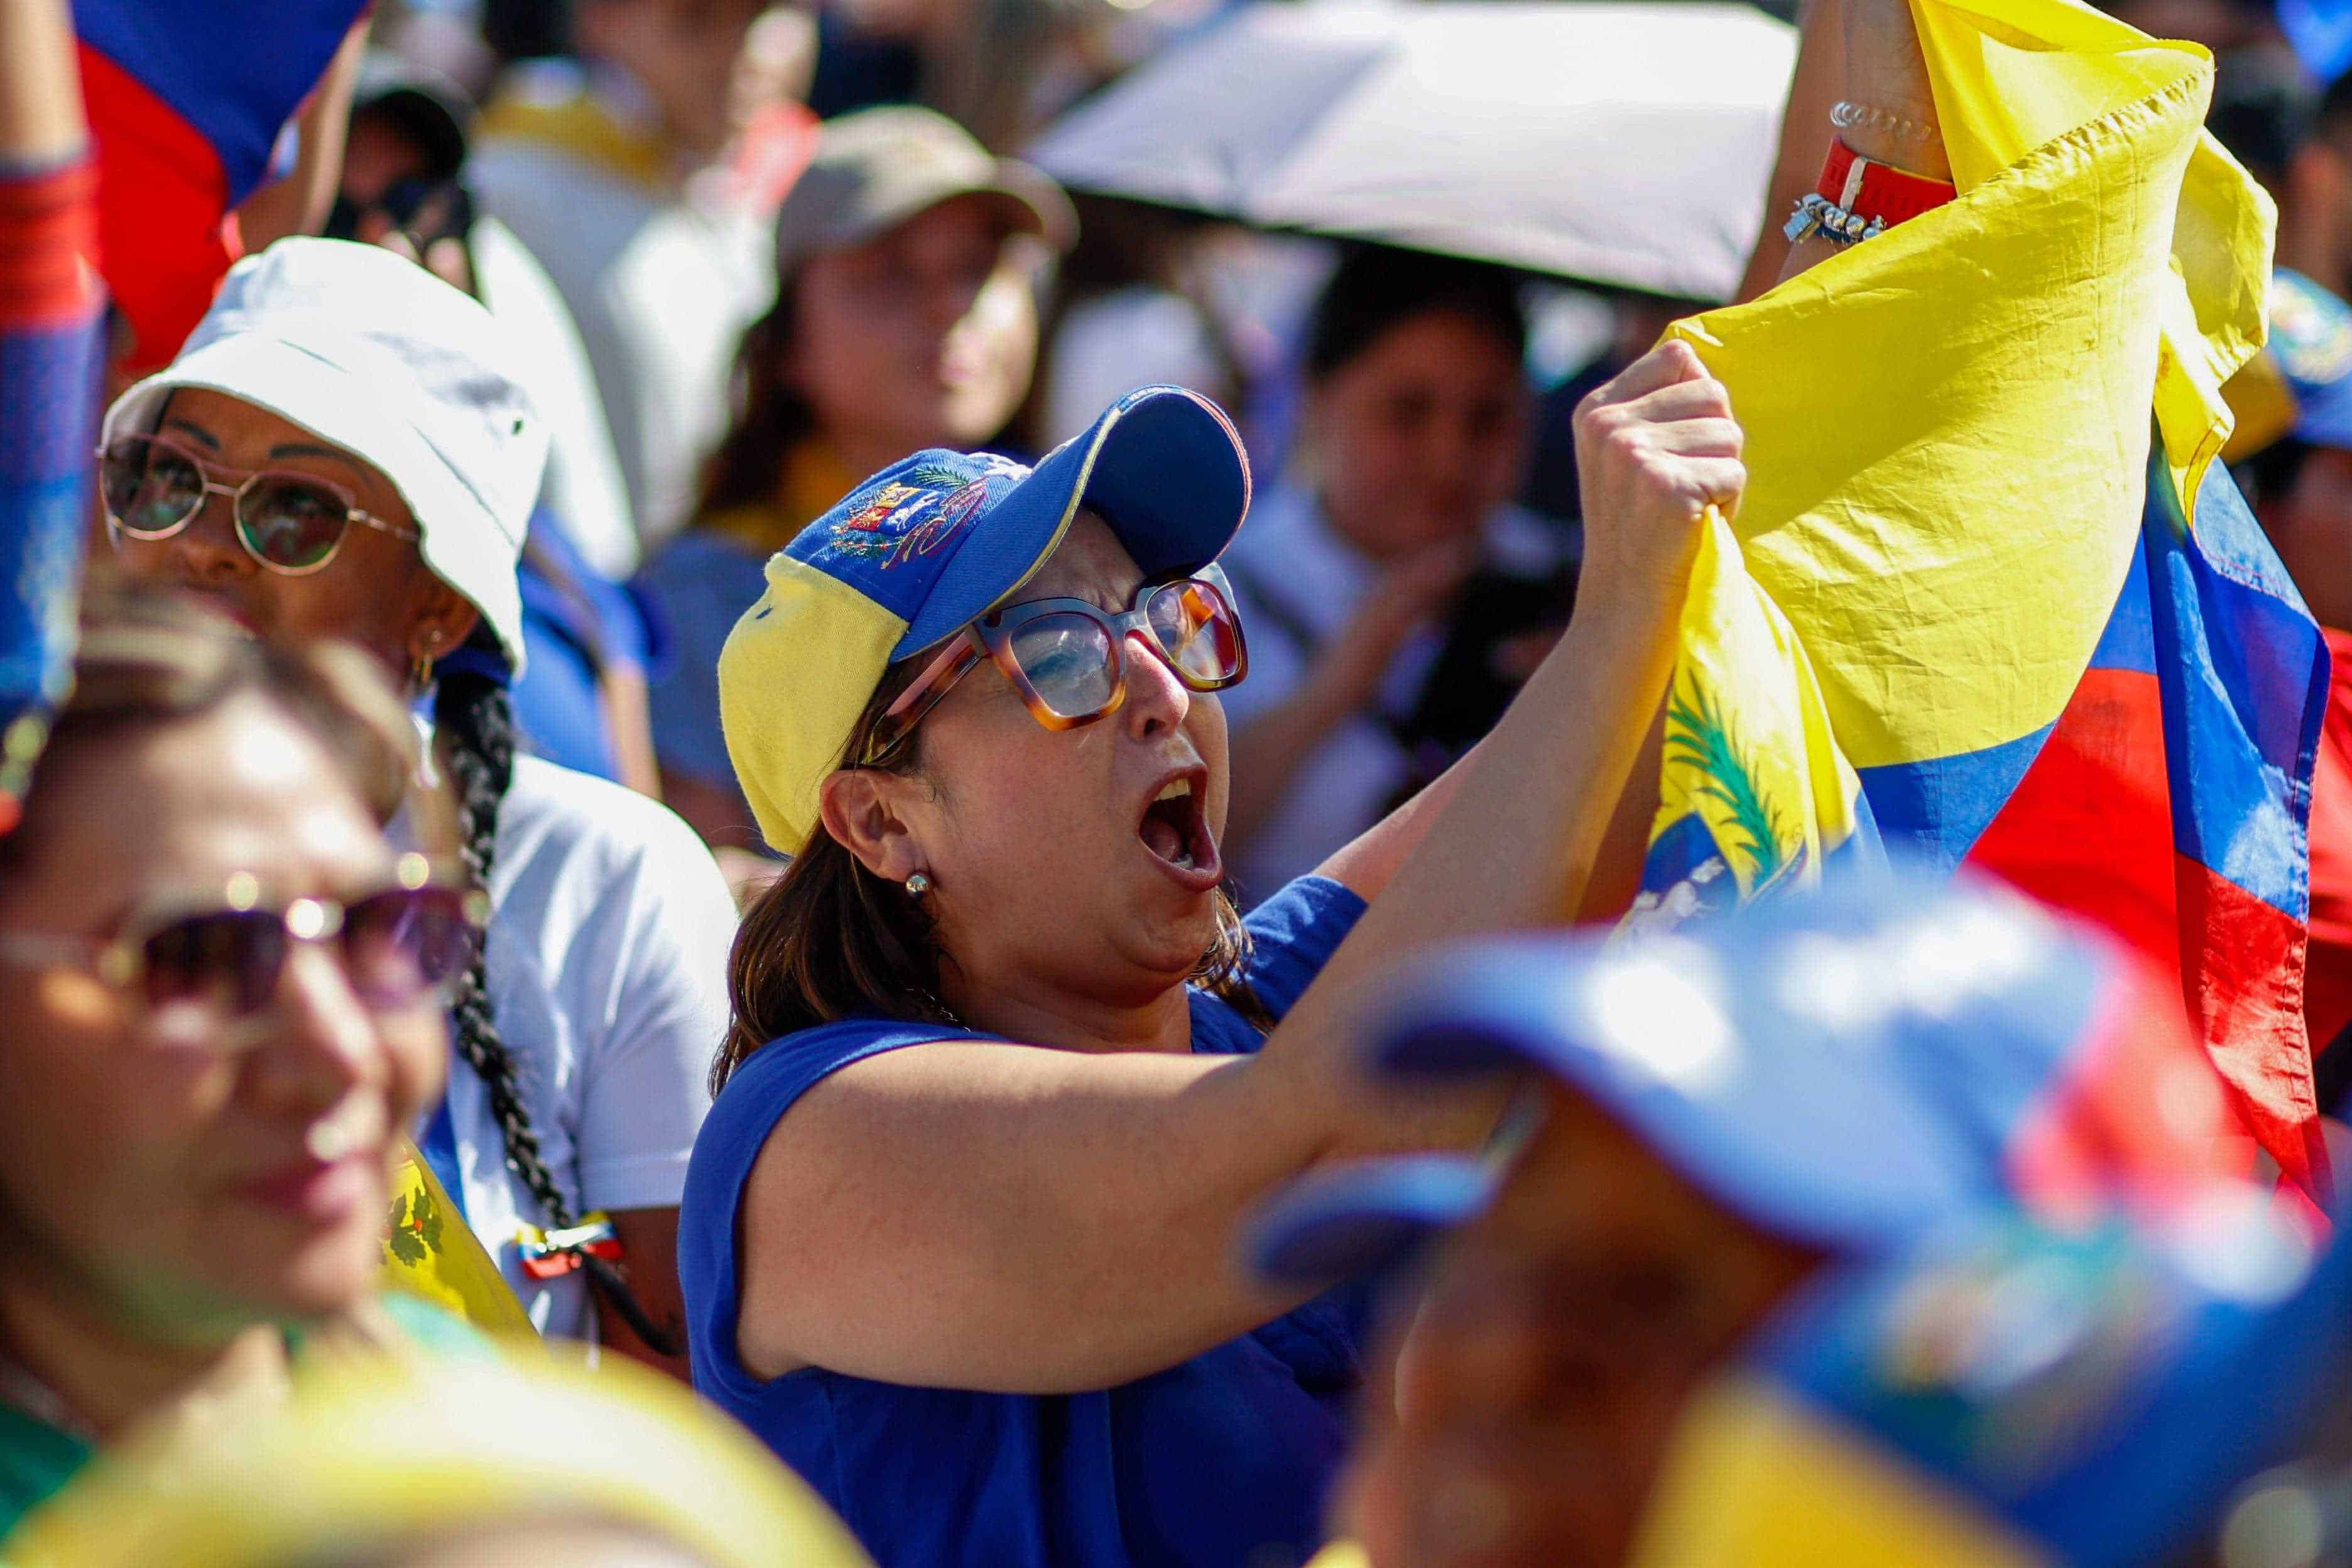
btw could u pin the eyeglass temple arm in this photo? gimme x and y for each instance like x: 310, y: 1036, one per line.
x: 910, y: 707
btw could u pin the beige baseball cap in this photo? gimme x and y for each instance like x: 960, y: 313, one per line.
x: 878, y: 167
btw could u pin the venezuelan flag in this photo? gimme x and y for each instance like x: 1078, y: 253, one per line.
x: 186, y: 99
x: 1988, y: 597
x: 2171, y: 799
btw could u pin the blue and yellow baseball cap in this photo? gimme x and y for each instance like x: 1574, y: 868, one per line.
x: 931, y: 544
x: 2300, y: 383
x: 1844, y: 1069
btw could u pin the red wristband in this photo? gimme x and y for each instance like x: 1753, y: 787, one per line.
x: 1854, y: 184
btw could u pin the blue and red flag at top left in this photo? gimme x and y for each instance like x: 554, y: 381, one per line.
x: 50, y: 380
x: 186, y: 99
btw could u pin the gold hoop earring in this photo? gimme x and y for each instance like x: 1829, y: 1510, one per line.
x: 420, y: 672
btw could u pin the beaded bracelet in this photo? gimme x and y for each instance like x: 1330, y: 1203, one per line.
x: 1846, y: 116
x: 1816, y: 213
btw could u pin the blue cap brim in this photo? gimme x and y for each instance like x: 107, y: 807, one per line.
x: 1796, y: 1140
x: 1164, y: 468
x: 1353, y: 1220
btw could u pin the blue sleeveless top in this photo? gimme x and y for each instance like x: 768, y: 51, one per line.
x: 1221, y: 1462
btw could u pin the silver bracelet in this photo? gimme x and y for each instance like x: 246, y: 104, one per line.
x: 1850, y: 116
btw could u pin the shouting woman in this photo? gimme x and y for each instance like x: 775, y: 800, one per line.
x: 1006, y: 1070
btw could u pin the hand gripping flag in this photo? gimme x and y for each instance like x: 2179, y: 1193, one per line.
x: 1971, y: 605
x: 186, y: 99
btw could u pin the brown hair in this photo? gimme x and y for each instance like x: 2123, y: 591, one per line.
x: 153, y: 657
x: 830, y: 940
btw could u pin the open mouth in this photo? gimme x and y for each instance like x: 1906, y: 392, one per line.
x: 1175, y: 828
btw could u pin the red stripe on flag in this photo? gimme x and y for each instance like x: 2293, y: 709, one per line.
x: 2249, y: 1008
x: 162, y: 196
x: 49, y: 221
x: 2089, y: 830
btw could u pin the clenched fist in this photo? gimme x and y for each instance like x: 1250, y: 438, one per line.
x: 1654, y: 449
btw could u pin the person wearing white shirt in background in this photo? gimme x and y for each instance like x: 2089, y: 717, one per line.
x: 1394, y: 597
x: 612, y: 175
x: 343, y: 449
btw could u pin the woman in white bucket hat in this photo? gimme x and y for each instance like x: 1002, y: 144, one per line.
x: 344, y: 448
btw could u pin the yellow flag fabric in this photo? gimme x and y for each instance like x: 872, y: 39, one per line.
x: 1948, y: 432
x: 1773, y: 810
x: 430, y: 1253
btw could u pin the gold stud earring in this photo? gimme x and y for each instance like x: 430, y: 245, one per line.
x: 918, y: 885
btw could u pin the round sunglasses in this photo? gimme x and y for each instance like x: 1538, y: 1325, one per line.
x: 291, y: 523
x: 1068, y: 660
x: 200, y: 973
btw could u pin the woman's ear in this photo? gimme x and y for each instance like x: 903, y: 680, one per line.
x: 859, y: 806
x: 445, y: 619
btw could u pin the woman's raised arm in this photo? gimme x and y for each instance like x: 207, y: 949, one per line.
x: 40, y: 110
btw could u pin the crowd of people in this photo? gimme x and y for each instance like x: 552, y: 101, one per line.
x: 1045, y: 974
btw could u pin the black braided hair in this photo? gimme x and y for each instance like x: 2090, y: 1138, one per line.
x: 473, y: 710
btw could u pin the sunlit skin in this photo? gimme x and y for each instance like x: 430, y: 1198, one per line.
x: 1420, y: 435
x: 377, y: 592
x: 925, y: 335
x: 1541, y: 1377
x: 158, y: 1200
x: 2311, y: 528
x: 1057, y: 923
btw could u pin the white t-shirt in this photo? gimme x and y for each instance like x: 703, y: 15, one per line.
x: 607, y: 962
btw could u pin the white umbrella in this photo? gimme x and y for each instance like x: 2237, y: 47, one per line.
x: 1623, y: 144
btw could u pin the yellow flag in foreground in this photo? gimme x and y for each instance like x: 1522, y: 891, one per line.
x: 429, y: 1252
